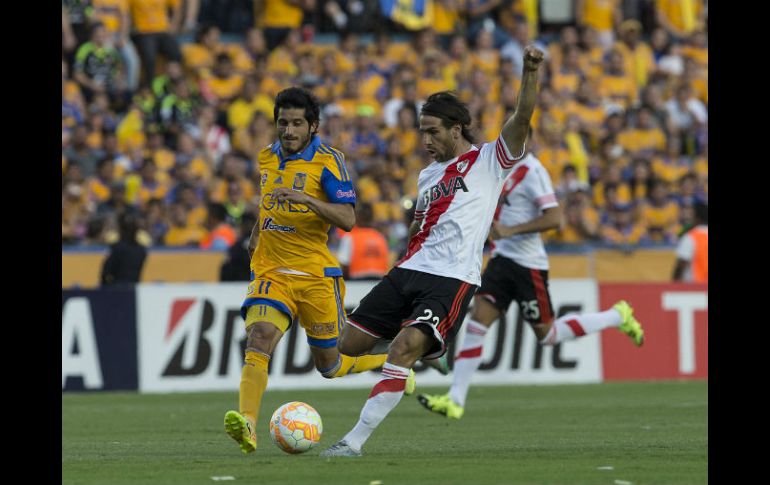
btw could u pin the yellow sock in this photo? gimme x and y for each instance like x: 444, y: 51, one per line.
x: 253, y: 384
x: 354, y: 365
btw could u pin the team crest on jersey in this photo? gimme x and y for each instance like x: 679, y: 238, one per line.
x: 263, y: 180
x: 461, y: 166
x: 299, y: 182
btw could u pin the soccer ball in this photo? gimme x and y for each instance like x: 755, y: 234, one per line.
x: 295, y: 427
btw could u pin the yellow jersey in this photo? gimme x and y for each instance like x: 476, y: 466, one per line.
x: 291, y: 236
x: 151, y: 16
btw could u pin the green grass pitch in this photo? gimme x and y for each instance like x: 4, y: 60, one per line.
x: 647, y: 432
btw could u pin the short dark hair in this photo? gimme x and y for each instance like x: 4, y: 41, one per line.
x: 128, y: 226
x: 446, y: 106
x: 295, y: 97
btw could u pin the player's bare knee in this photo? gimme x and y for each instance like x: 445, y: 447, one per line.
x: 261, y: 337
x: 484, y: 311
x: 407, y: 348
x: 353, y: 342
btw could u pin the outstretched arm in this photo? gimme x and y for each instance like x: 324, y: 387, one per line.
x: 515, y: 130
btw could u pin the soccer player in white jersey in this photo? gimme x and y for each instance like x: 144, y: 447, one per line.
x: 518, y: 270
x: 421, y: 303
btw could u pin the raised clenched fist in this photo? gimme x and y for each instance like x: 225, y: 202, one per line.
x: 532, y: 58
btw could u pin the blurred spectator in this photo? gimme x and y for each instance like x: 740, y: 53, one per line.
x: 593, y: 52
x: 587, y: 107
x: 641, y: 179
x: 621, y: 229
x: 221, y: 235
x: 163, y: 84
x: 199, y: 55
x: 247, y: 141
x: 645, y: 138
x: 689, y: 193
x: 78, y: 152
x: 75, y: 20
x: 363, y: 252
x: 480, y: 16
x: 484, y: 56
x: 580, y: 223
x: 688, y: 116
x: 659, y: 43
x: 568, y: 37
x: 235, y: 204
x: 114, y: 15
x: 696, y: 48
x: 569, y: 183
x: 680, y: 17
x: 446, y: 19
x: 409, y: 99
x: 255, y: 45
x: 180, y: 233
x: 179, y: 111
x: 251, y: 100
x: 652, y: 99
x: 75, y: 208
x: 692, y: 263
x: 223, y: 84
x: 567, y: 77
x: 99, y: 68
x: 639, y: 60
x: 236, y: 266
x: 351, y: 15
x: 154, y: 32
x: 155, y: 221
x: 278, y: 17
x: 617, y: 87
x: 190, y: 155
x: 660, y: 214
x: 697, y: 78
x: 126, y: 257
x: 116, y: 204
x: 99, y: 185
x: 603, y: 16
x: 671, y: 165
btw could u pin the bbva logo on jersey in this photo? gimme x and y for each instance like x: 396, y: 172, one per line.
x: 443, y: 189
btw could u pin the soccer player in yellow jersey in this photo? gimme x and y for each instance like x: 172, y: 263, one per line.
x: 305, y: 190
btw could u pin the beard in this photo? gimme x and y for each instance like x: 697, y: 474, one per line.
x: 295, y: 145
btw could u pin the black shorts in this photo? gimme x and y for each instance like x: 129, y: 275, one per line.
x: 434, y: 304
x: 504, y: 281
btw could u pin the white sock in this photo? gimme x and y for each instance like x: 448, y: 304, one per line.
x: 384, y: 397
x: 467, y: 361
x: 574, y: 325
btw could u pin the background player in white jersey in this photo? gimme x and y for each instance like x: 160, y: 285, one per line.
x: 420, y: 304
x: 518, y: 270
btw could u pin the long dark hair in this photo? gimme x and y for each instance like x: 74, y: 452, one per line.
x: 446, y: 106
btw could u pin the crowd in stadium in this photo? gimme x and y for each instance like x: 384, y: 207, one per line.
x: 168, y: 129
